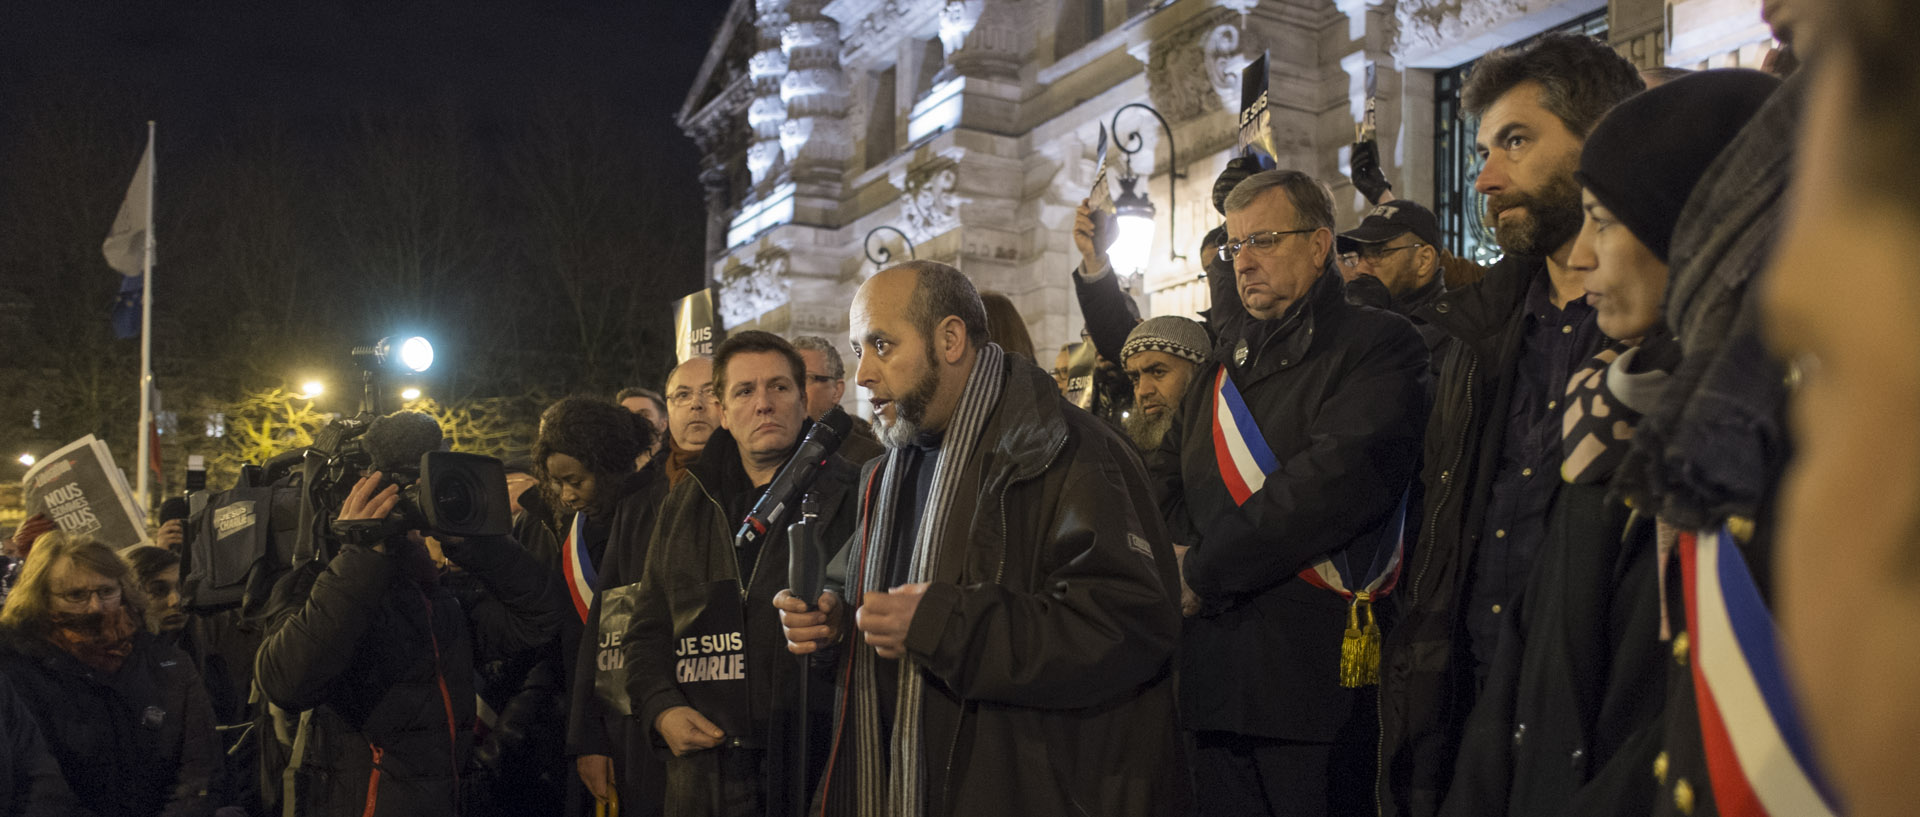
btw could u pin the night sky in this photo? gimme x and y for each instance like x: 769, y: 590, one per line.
x: 204, y: 67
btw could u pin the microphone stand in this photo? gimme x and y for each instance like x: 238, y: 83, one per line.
x: 805, y: 575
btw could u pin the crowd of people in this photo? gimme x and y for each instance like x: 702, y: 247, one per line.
x: 1383, y: 533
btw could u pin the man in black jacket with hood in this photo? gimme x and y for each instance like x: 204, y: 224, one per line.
x: 710, y: 677
x: 1492, y: 455
x: 1286, y: 479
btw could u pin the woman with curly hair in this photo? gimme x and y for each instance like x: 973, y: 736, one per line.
x: 585, y: 455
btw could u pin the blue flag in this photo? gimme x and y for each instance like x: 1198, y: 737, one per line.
x: 126, y: 308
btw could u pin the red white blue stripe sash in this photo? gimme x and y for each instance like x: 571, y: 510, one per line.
x: 1245, y: 461
x: 577, y: 565
x: 1757, y: 751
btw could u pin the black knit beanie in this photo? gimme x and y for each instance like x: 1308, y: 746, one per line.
x: 1643, y: 160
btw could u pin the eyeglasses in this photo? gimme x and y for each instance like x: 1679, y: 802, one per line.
x: 821, y: 379
x: 79, y: 598
x: 684, y: 397
x: 1371, y: 255
x: 1261, y: 242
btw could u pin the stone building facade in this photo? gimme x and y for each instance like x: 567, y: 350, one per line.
x: 969, y: 126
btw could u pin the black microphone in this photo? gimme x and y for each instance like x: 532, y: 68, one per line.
x: 398, y: 440
x: 796, y: 476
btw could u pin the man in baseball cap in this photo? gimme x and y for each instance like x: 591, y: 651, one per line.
x: 1160, y: 357
x: 1392, y: 261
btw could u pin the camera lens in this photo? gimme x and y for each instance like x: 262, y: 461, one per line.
x: 457, y: 499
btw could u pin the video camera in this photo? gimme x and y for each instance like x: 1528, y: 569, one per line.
x: 441, y: 492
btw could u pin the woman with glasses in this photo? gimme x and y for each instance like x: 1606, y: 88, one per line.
x: 125, y: 715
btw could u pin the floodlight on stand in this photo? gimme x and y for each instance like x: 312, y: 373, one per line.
x: 410, y: 393
x: 1134, y: 214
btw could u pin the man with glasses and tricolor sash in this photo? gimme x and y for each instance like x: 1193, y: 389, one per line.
x: 1286, y: 479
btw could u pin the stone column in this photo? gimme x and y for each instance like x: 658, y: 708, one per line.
x: 768, y: 111
x: 814, y: 138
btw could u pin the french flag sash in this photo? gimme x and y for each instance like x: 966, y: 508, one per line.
x: 1245, y: 461
x: 577, y: 566
x: 1756, y: 748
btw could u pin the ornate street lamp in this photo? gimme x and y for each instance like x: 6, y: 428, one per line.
x: 1134, y: 210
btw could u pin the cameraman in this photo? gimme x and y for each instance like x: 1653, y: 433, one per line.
x: 378, y: 658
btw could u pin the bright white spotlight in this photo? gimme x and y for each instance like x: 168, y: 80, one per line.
x: 312, y: 389
x: 410, y: 394
x: 416, y: 354
x: 28, y: 460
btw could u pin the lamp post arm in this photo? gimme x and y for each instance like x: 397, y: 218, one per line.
x: 880, y: 255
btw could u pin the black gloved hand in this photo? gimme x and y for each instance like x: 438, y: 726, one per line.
x: 1236, y: 171
x: 1367, y: 176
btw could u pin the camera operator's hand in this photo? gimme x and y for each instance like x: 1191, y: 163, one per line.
x: 686, y: 731
x: 809, y: 631
x: 364, y: 503
x: 172, y: 535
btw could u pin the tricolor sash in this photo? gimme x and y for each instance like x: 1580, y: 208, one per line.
x: 1757, y: 751
x: 1244, y: 461
x: 577, y: 566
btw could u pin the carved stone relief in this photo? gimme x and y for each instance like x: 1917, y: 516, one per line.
x: 751, y: 290
x: 1429, y: 25
x: 929, y: 204
x: 1196, y: 72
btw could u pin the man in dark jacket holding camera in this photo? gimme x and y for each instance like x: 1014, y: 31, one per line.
x: 374, y: 660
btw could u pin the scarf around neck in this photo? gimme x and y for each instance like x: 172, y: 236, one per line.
x: 890, y: 781
x: 100, y: 640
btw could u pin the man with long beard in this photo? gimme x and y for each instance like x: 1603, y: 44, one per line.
x: 1012, y: 591
x: 1492, y: 457
x: 1160, y: 357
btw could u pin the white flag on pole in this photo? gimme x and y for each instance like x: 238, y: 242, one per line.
x: 128, y: 241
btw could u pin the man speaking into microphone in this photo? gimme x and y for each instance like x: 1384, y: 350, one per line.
x: 1013, y: 595
x: 707, y: 669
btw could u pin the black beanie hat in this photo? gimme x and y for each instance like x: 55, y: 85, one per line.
x: 1643, y: 160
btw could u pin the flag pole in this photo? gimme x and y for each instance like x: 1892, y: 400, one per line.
x: 144, y: 457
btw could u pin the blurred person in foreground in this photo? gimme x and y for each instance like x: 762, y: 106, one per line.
x: 124, y: 714
x: 1839, y: 310
x: 1010, y: 609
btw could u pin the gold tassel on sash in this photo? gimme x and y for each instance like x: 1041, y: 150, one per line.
x: 1360, y: 650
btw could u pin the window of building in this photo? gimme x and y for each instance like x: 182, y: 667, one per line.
x: 1456, y: 203
x: 1081, y: 22
x: 881, y: 112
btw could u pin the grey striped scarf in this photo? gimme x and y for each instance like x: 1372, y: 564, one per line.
x: 891, y: 781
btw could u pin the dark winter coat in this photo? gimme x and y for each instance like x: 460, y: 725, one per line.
x: 378, y: 666
x: 618, y: 547
x: 138, y: 742
x: 30, y: 780
x: 1426, y: 675
x: 1339, y: 394
x: 1048, y: 632
x: 693, y: 551
x: 1579, y: 678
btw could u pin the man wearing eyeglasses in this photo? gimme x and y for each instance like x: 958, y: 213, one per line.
x: 826, y: 384
x: 692, y: 413
x: 1286, y: 479
x: 1392, y: 262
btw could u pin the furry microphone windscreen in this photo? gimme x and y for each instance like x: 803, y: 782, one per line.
x: 400, y: 439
